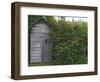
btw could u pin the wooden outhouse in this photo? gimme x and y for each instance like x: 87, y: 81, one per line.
x: 40, y: 42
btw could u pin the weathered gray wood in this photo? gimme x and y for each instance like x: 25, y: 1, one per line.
x: 35, y: 49
x: 35, y: 39
x: 35, y: 60
x: 35, y: 52
x: 36, y: 45
x: 41, y: 28
x: 40, y: 48
x: 47, y: 48
x: 37, y: 35
x: 36, y: 57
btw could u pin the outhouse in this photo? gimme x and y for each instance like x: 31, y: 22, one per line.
x: 40, y: 42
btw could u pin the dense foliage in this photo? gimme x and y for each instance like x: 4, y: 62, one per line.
x: 69, y: 41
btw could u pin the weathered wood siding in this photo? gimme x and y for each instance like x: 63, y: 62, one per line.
x: 40, y: 43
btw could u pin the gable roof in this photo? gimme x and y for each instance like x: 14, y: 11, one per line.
x: 41, y: 20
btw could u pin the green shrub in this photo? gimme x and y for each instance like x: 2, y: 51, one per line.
x: 70, y: 43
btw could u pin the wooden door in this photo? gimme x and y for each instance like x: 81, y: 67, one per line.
x: 47, y: 48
